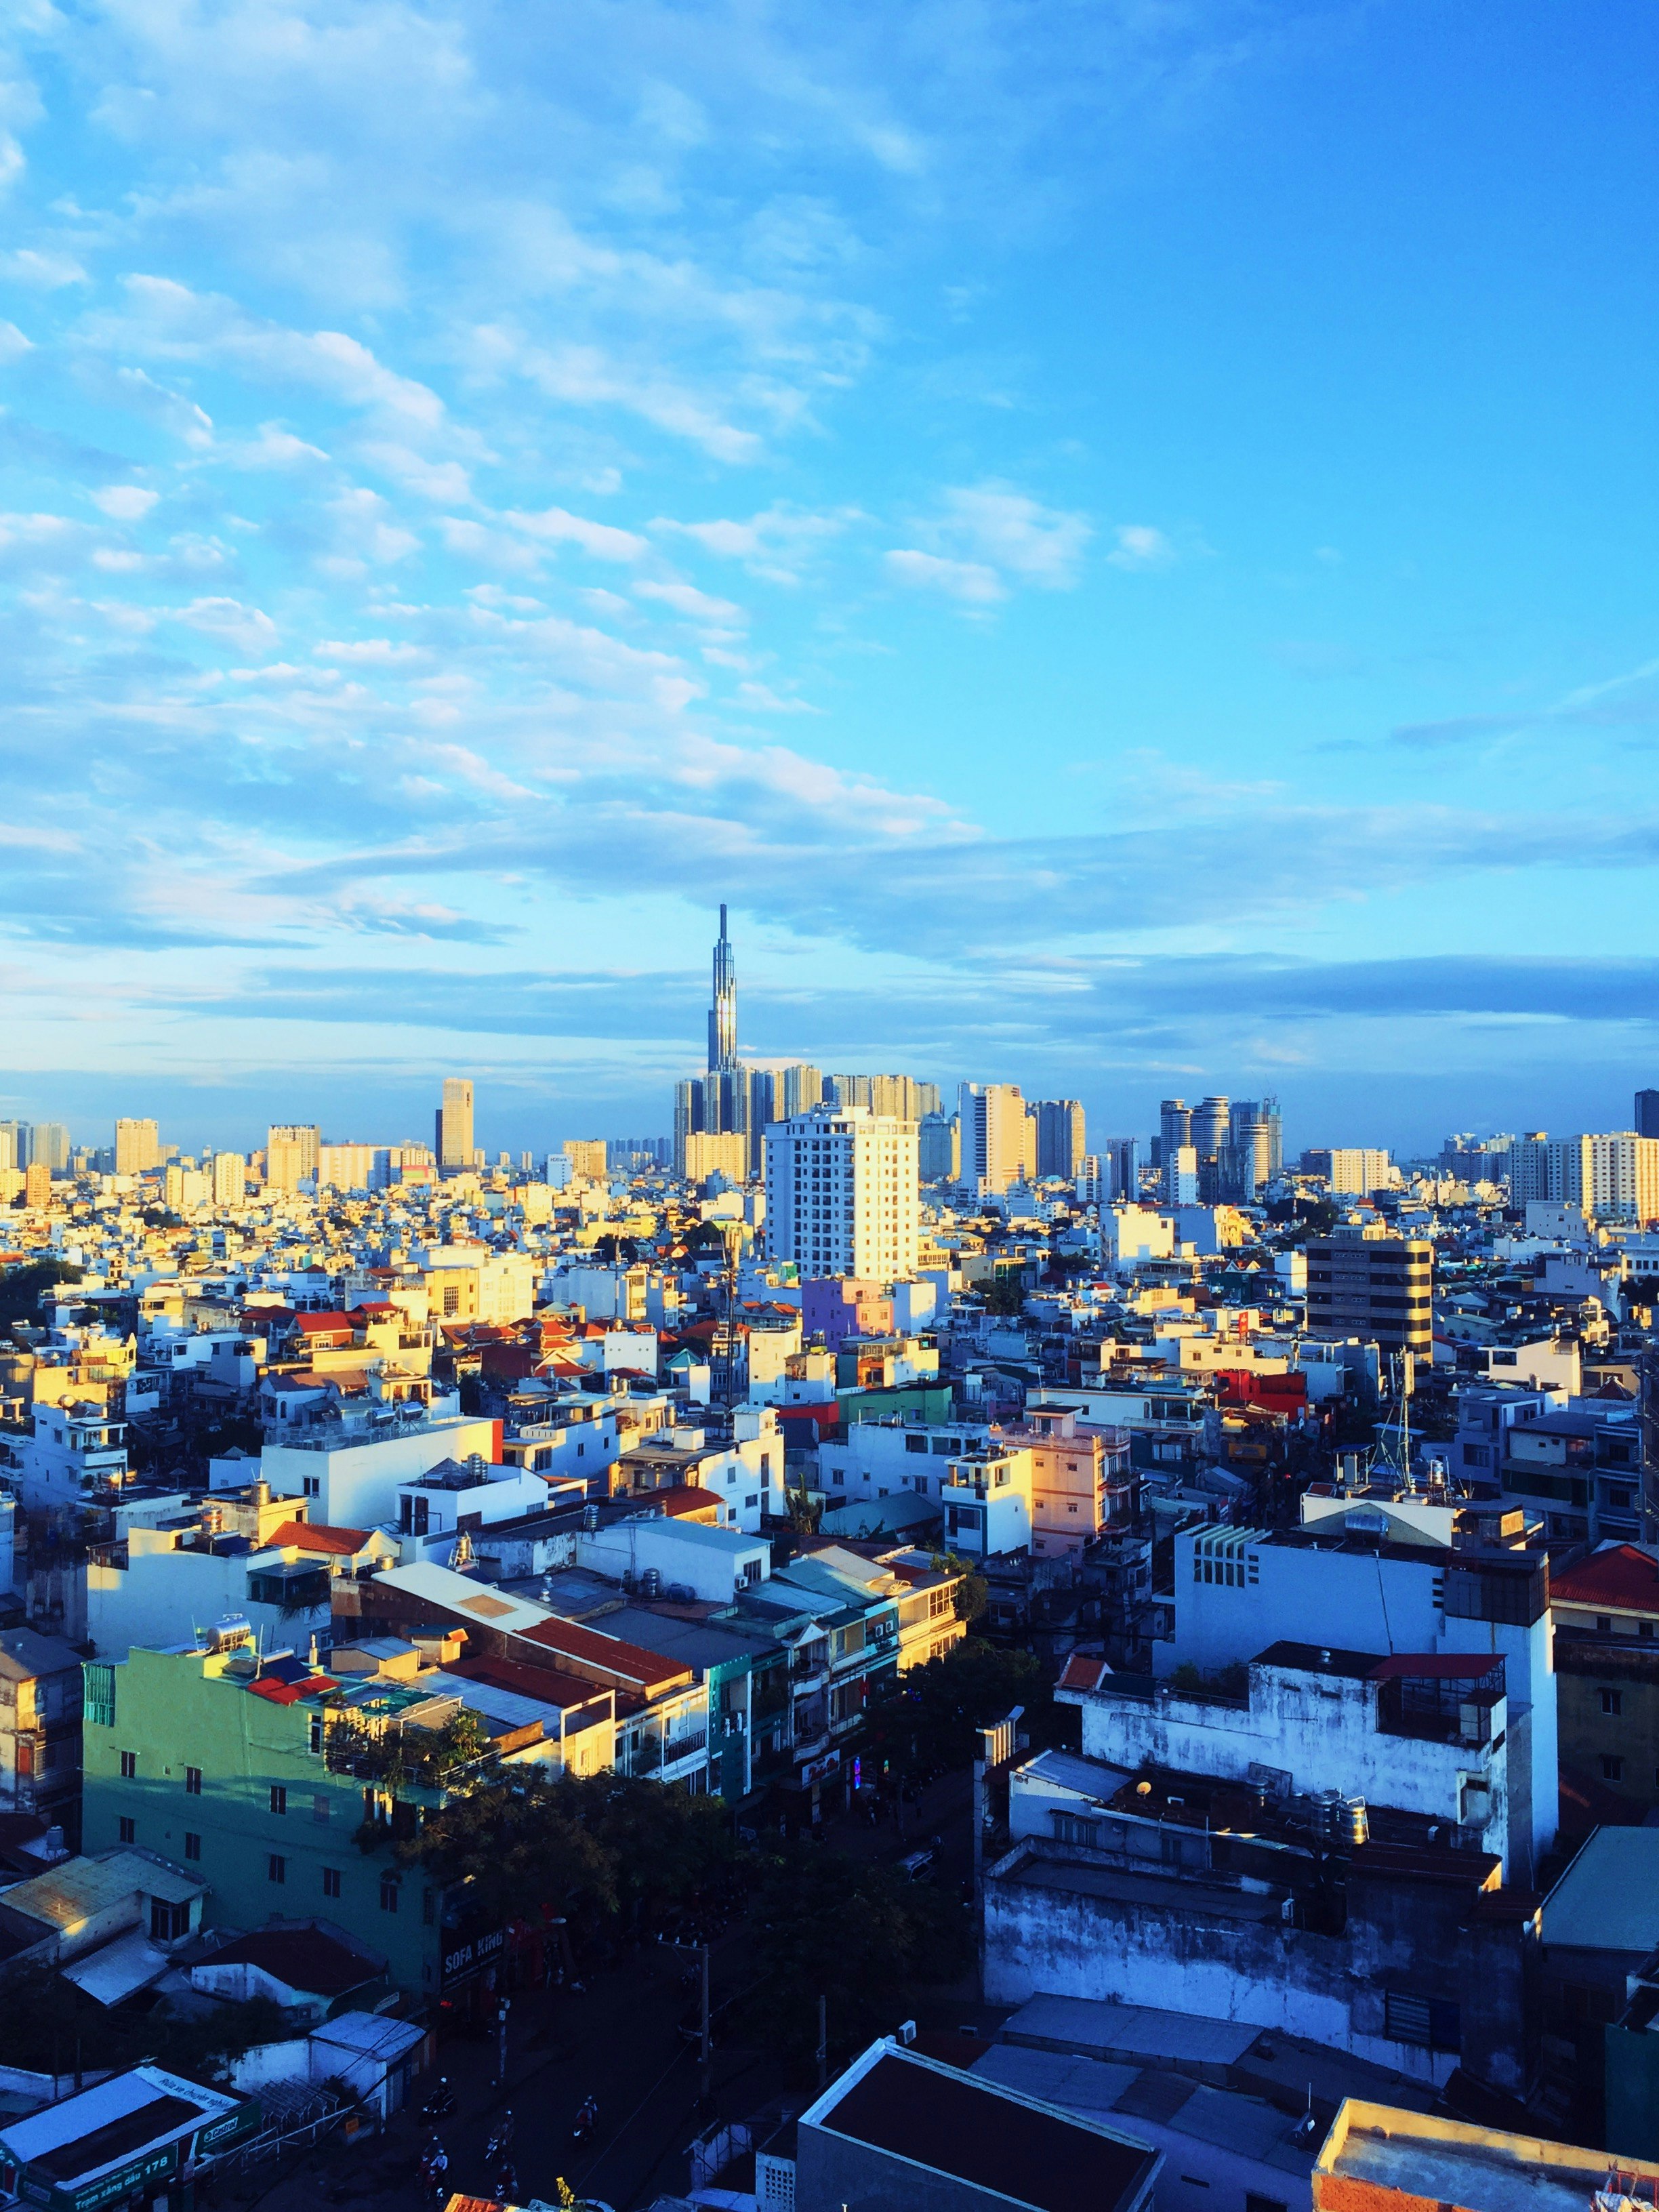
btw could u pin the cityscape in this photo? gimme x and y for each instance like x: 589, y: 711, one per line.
x: 829, y: 1108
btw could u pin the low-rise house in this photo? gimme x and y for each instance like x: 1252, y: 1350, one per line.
x: 158, y: 1584
x: 1082, y: 1482
x: 1420, y: 1733
x: 1377, y: 2158
x: 1599, y: 1927
x: 279, y: 1789
x: 41, y: 1729
x: 898, y: 2128
x: 135, y: 2140
x: 434, y: 1506
x: 83, y: 1908
x: 351, y: 1467
x: 1210, y: 1898
x: 311, y: 1969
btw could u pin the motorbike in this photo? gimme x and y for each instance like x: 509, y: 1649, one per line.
x: 586, y: 2120
x: 440, y: 2104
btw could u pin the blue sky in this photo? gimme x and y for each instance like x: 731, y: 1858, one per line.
x: 1119, y: 537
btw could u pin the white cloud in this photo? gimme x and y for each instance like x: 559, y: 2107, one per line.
x: 971, y: 582
x: 435, y: 480
x: 170, y: 320
x: 49, y: 271
x: 124, y: 502
x: 602, y: 539
x: 686, y: 599
x: 774, y: 544
x: 274, y: 448
x: 1042, y: 545
x: 250, y: 627
x: 13, y: 344
x: 380, y: 652
x: 1140, y: 546
x: 364, y: 527
x: 762, y: 699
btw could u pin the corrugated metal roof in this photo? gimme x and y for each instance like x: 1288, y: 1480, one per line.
x: 1092, y: 2025
x: 1609, y: 1898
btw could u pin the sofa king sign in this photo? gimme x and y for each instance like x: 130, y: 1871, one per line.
x: 465, y: 1959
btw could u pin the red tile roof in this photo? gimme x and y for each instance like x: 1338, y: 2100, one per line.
x: 304, y: 1958
x: 1621, y: 1580
x: 289, y: 1693
x: 546, y: 1683
x: 686, y: 1497
x: 628, y: 1662
x: 314, y: 1536
x: 1083, y: 1674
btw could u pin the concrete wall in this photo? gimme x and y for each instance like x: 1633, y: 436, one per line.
x: 1189, y: 1950
x: 1321, y: 1730
x: 162, y: 1594
x: 356, y: 1484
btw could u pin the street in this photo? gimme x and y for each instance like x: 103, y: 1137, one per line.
x: 619, y: 2040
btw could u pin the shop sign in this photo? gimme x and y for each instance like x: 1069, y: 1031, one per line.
x: 122, y: 2183
x: 227, y: 2127
x: 818, y: 1770
x: 465, y: 1959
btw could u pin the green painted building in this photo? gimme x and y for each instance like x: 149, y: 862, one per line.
x: 250, y: 1776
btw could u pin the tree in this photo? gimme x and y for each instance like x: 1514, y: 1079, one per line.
x: 667, y: 1848
x: 855, y: 1933
x: 931, y: 1726
x: 973, y: 1591
x: 505, y: 1851
x: 46, y: 2025
x: 20, y: 1288
x: 1005, y: 1295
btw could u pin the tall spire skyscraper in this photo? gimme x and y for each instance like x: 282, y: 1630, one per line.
x: 723, y: 1014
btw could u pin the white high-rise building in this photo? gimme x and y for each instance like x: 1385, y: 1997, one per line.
x: 843, y: 1194
x: 229, y: 1178
x: 997, y: 1136
x: 137, y: 1146
x: 1614, y: 1175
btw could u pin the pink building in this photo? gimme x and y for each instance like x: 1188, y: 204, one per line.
x: 838, y: 1307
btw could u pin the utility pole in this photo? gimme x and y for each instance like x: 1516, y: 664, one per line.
x: 500, y: 2014
x: 702, y: 2053
x: 823, y: 2042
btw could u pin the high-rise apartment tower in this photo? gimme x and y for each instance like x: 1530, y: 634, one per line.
x: 453, y: 1136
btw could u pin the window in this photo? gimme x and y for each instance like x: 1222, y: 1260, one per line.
x: 1612, y: 1769
x: 319, y: 1809
x: 1612, y: 1701
x: 1254, y: 2203
x: 313, y: 1485
x: 316, y: 1731
x: 278, y: 1798
x: 1604, y: 1624
x: 192, y: 1846
x: 276, y: 1868
x: 192, y: 1782
x: 1429, y: 2023
x: 330, y: 1881
x: 168, y: 1921
x: 127, y: 1831
x: 1069, y: 1829
x: 129, y: 1765
x: 388, y: 1893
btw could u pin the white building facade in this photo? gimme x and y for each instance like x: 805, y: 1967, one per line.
x: 843, y: 1194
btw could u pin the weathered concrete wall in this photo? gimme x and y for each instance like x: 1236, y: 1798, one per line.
x: 1192, y: 1947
